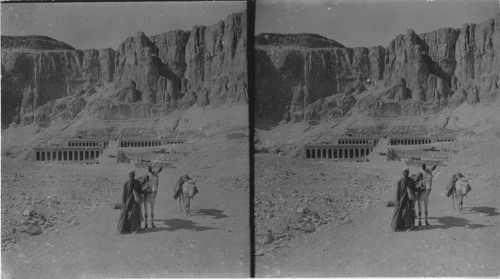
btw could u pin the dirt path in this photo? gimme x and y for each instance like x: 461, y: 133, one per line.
x: 453, y: 245
x: 212, y: 242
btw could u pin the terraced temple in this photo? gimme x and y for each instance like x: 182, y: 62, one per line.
x: 146, y: 142
x: 358, y: 140
x: 327, y: 151
x: 67, y: 154
x: 418, y: 140
x: 87, y: 143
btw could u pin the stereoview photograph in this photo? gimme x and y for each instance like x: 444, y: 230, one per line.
x: 377, y: 141
x: 125, y: 140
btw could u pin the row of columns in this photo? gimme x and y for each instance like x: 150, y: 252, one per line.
x: 351, y: 141
x: 146, y: 143
x: 358, y: 141
x: 445, y: 140
x: 85, y: 144
x: 336, y: 153
x: 409, y: 141
x: 67, y: 155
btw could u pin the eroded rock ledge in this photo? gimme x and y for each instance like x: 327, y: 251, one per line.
x: 298, y: 78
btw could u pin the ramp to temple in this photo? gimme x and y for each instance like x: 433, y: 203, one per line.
x: 110, y: 154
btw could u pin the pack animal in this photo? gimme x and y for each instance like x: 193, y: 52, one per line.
x: 185, y: 189
x: 458, y: 192
x: 149, y: 184
x: 188, y: 191
x: 424, y: 181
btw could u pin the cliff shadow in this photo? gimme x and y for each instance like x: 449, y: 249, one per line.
x: 270, y: 94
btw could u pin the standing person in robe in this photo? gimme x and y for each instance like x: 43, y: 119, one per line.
x: 404, y: 208
x: 130, y: 216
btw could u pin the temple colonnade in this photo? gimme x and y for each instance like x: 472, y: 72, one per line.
x: 147, y: 143
x: 67, y: 153
x: 326, y: 151
x: 358, y: 141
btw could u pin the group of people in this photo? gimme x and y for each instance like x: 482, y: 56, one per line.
x: 403, y: 218
x: 130, y: 216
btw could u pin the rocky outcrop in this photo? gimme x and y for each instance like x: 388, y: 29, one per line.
x: 33, y: 43
x: 289, y: 79
x: 32, y: 79
x: 295, y: 40
x: 415, y: 75
x: 150, y: 75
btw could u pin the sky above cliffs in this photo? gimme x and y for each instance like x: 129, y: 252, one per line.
x: 103, y: 25
x: 367, y: 23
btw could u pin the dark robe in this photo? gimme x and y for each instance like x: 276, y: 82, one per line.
x: 130, y: 216
x: 404, y: 209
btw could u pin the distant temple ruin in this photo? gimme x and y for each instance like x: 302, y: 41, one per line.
x: 87, y: 143
x: 67, y: 154
x: 146, y: 142
x: 328, y: 151
x: 358, y: 140
x: 419, y: 140
x: 359, y: 147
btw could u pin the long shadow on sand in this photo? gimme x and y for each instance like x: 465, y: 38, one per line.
x: 180, y: 224
x: 216, y: 213
x: 489, y: 211
x: 175, y: 224
x: 447, y: 222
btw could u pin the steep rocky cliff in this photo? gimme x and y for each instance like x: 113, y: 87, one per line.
x: 44, y: 80
x: 298, y: 78
x: 33, y: 43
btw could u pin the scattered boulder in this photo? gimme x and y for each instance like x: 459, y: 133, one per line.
x: 269, y: 237
x: 33, y: 229
x: 307, y: 227
x: 302, y: 210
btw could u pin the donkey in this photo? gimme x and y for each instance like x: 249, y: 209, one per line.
x: 177, y: 188
x: 459, y: 191
x: 149, y: 185
x: 188, y: 191
x: 424, y: 180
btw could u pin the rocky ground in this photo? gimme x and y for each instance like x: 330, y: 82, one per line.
x: 59, y: 220
x: 294, y: 197
x: 321, y: 218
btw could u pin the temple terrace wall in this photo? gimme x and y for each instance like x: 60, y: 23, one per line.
x: 146, y: 143
x: 67, y: 154
x: 327, y: 151
x: 418, y: 140
x: 87, y: 143
x: 358, y: 141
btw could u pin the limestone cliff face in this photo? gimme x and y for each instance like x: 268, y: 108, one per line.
x: 150, y: 76
x: 289, y: 79
x: 32, y: 79
x: 33, y: 43
x: 415, y: 75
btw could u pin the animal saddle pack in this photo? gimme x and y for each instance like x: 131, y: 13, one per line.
x: 143, y: 180
x: 183, y: 179
x: 451, y: 184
